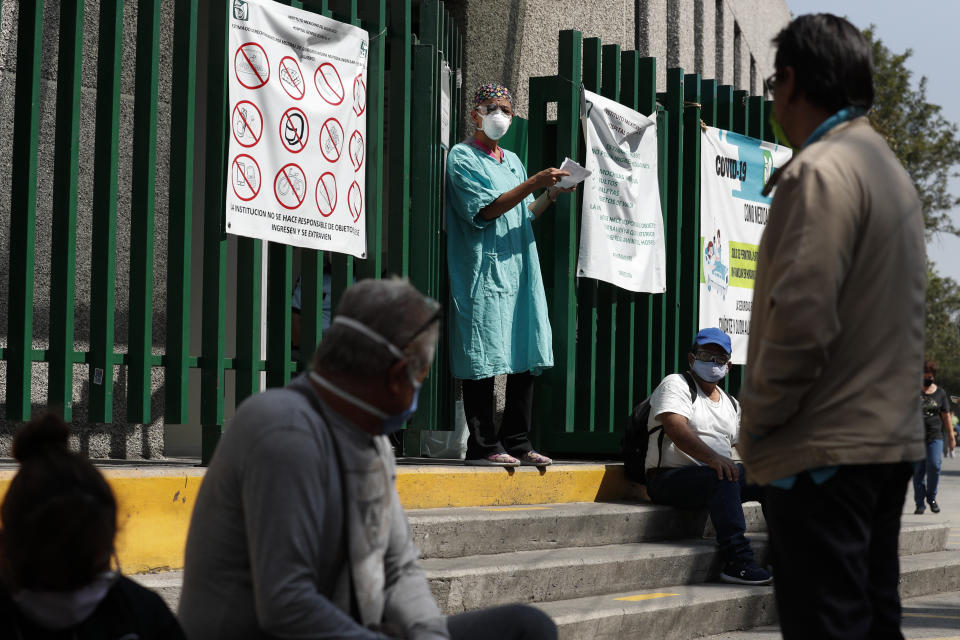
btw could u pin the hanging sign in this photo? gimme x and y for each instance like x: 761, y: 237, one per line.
x: 298, y: 120
x: 621, y: 230
x: 733, y: 214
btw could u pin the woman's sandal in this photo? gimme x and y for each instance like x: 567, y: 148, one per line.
x: 496, y: 460
x: 534, y: 459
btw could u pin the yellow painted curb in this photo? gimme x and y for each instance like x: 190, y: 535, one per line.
x: 432, y: 487
x: 154, y: 506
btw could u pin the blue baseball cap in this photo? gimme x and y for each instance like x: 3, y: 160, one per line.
x: 713, y: 335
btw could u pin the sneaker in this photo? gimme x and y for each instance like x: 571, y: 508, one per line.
x: 934, y: 506
x: 496, y: 460
x: 534, y: 459
x: 919, y: 511
x: 740, y: 572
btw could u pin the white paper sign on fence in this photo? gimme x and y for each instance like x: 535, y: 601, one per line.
x: 621, y: 231
x: 298, y: 128
x: 733, y: 213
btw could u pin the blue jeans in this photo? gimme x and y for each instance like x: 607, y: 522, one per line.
x: 931, y: 469
x: 697, y: 487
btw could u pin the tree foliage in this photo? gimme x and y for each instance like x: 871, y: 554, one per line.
x: 927, y: 145
x: 922, y: 138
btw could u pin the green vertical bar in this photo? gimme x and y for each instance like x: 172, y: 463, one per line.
x: 23, y: 211
x: 214, y: 240
x: 649, y: 345
x: 675, y: 267
x: 768, y: 133
x: 373, y: 13
x: 401, y: 42
x: 143, y: 209
x: 180, y: 217
x: 104, y: 227
x: 708, y: 98
x: 725, y: 107
x: 249, y: 278
x: 741, y: 112
x: 555, y: 401
x: 660, y: 303
x: 587, y: 288
x: 608, y: 356
x: 63, y: 245
x: 689, y: 297
x: 279, y: 288
x: 756, y: 117
x: 628, y: 303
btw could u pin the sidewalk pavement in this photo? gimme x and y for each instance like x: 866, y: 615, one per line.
x: 929, y: 617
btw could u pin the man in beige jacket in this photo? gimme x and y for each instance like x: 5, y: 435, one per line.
x: 830, y: 410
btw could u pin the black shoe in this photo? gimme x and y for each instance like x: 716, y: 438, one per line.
x: 934, y: 506
x: 741, y: 572
x: 919, y: 511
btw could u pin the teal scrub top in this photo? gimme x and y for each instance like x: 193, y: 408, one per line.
x: 499, y: 321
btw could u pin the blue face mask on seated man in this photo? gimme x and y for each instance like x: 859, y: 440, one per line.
x: 391, y: 423
x: 709, y: 371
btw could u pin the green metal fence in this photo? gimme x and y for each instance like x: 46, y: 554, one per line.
x: 611, y: 346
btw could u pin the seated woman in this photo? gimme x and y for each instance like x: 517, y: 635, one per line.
x: 59, y: 520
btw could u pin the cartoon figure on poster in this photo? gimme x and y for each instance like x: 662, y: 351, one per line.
x: 716, y: 266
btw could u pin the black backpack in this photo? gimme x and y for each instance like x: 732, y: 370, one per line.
x: 636, y: 436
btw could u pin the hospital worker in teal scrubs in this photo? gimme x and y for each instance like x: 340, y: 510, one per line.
x: 499, y: 322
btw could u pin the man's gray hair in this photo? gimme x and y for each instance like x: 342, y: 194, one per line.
x: 392, y: 308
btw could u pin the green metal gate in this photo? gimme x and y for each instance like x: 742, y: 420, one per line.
x: 611, y: 346
x: 407, y: 242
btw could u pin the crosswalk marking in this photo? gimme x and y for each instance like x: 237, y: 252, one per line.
x: 646, y: 596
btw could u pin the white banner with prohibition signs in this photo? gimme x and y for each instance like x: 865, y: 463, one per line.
x: 297, y: 116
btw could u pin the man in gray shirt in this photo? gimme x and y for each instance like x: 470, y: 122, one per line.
x: 298, y: 531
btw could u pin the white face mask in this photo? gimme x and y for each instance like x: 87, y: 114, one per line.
x: 495, y: 125
x: 58, y: 610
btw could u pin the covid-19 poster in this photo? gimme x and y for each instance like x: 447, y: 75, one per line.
x: 733, y: 213
x: 298, y: 127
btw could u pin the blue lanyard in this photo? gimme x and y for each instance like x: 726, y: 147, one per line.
x: 847, y: 113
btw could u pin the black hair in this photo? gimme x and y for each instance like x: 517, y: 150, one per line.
x: 831, y: 60
x: 59, y: 514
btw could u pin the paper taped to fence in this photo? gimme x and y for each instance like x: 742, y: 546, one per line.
x: 621, y: 230
x: 733, y: 213
x: 298, y: 128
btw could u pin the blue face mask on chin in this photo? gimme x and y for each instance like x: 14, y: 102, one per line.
x: 709, y: 371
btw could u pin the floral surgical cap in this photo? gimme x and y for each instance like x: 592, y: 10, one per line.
x: 489, y: 92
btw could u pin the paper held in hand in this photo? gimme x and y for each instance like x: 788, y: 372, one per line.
x: 577, y: 175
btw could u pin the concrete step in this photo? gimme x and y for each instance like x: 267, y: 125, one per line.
x: 472, y: 582
x: 690, y: 611
x: 454, y: 533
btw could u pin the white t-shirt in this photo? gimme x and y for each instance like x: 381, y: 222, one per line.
x: 716, y: 423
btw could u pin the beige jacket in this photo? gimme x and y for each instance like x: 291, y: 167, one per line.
x: 836, y: 331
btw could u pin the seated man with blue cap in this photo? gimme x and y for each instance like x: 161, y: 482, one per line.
x: 693, y: 427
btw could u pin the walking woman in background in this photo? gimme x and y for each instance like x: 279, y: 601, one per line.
x: 935, y: 408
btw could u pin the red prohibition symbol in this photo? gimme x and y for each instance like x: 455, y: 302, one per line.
x: 327, y: 194
x: 245, y: 176
x: 328, y: 83
x: 356, y: 151
x: 294, y: 130
x: 291, y: 78
x: 251, y: 66
x: 247, y: 123
x: 359, y: 95
x: 331, y: 139
x: 290, y: 186
x: 355, y: 201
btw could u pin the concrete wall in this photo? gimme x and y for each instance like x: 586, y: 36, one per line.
x: 511, y: 41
